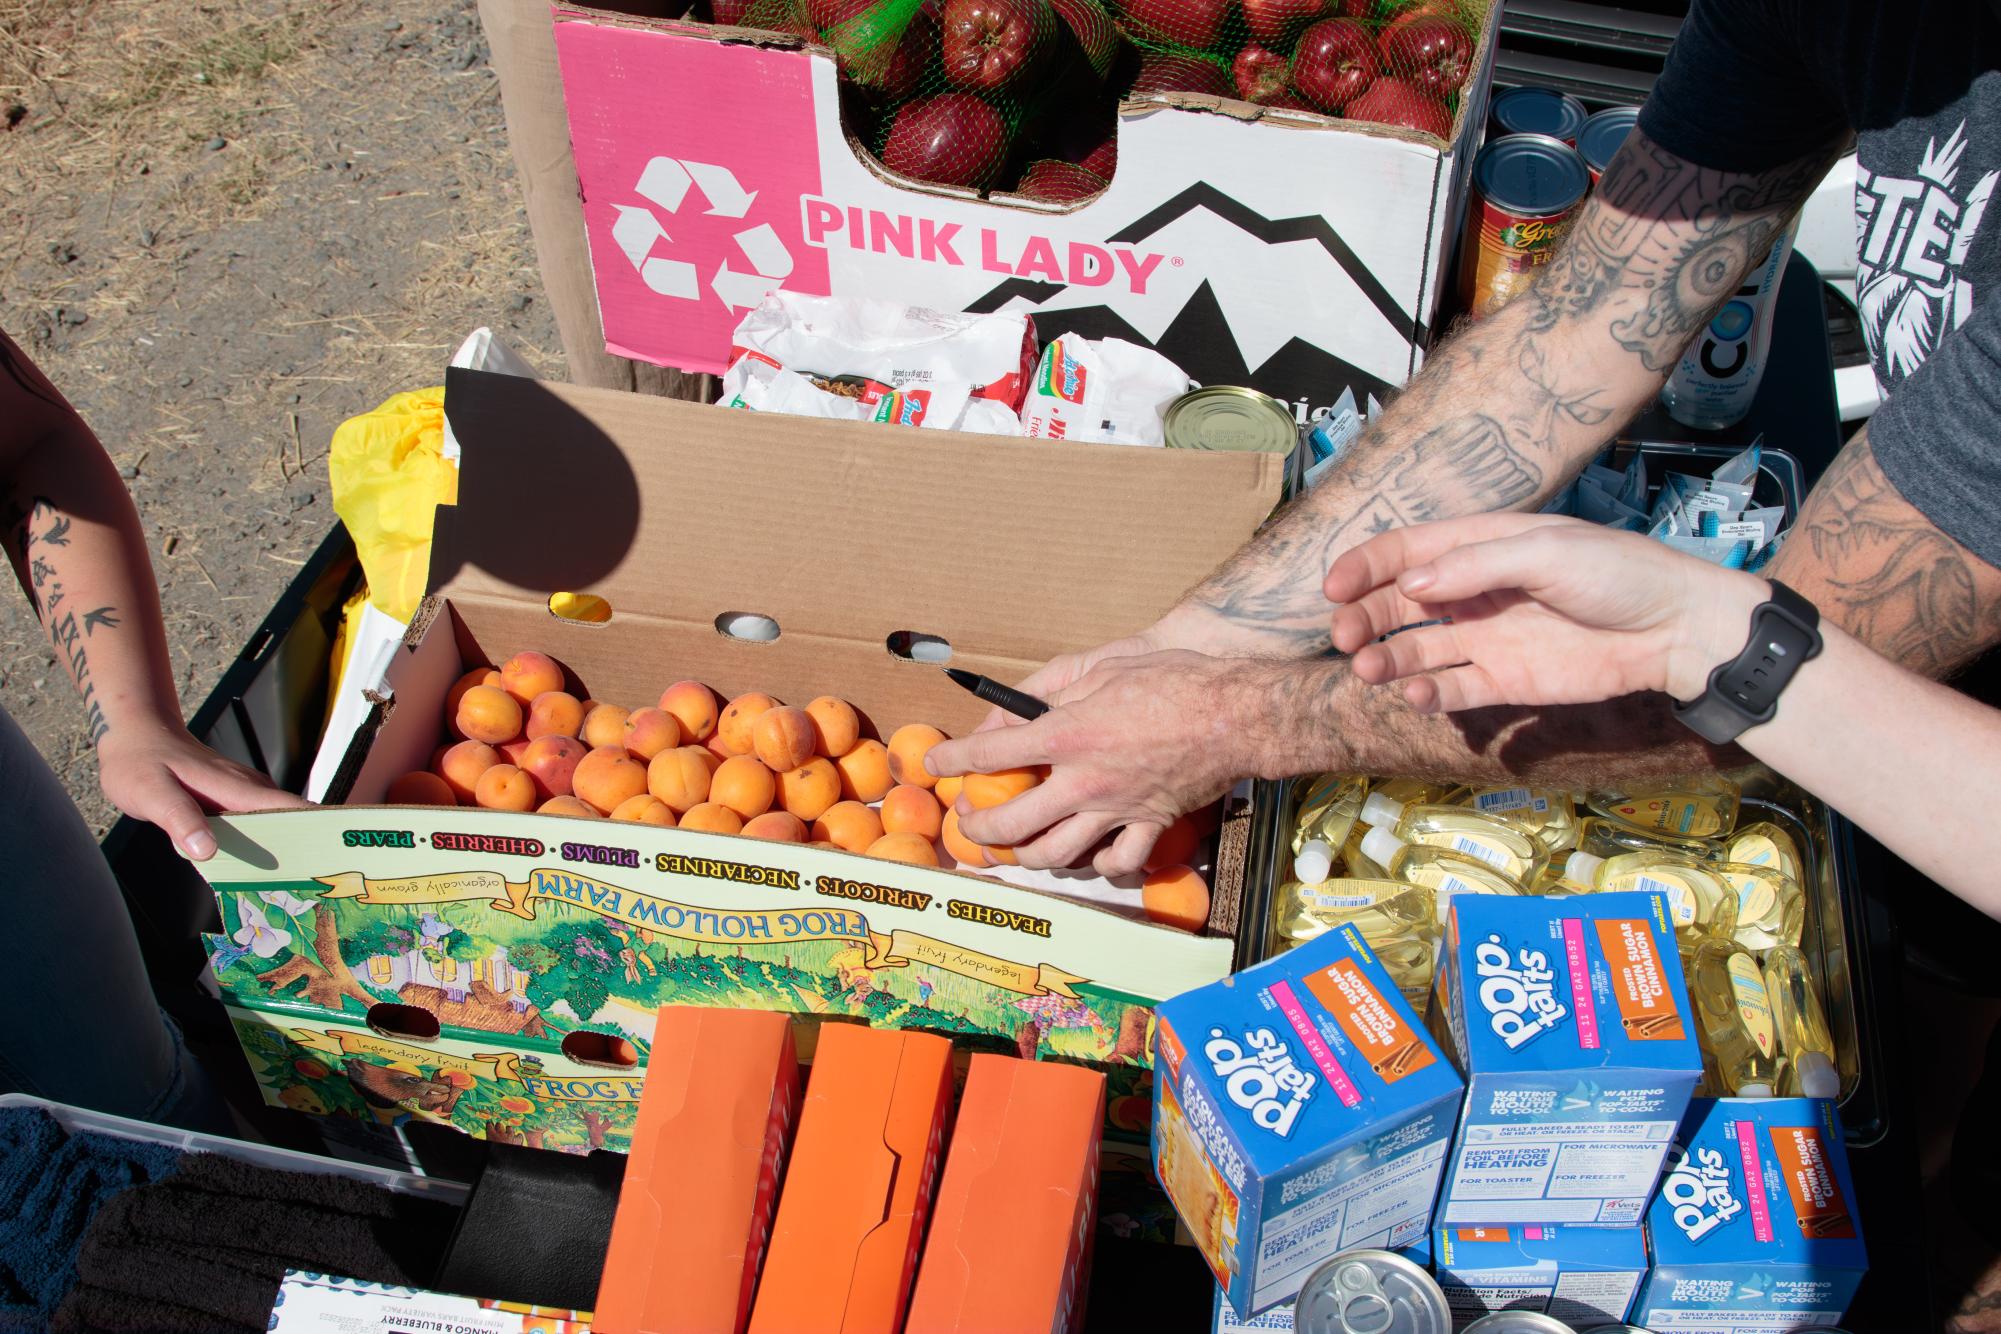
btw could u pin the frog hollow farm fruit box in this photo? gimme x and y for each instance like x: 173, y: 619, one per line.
x: 849, y: 537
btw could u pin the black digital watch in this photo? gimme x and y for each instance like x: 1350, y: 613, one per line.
x: 1785, y: 636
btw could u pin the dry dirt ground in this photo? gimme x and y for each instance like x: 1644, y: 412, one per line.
x: 224, y: 228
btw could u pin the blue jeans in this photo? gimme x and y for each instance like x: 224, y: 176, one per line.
x: 78, y: 1020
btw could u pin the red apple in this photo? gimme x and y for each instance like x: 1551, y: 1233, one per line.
x: 1160, y: 73
x: 951, y: 139
x: 1335, y: 61
x: 1431, y: 52
x: 1094, y: 30
x: 1058, y: 182
x: 1183, y: 22
x: 1260, y: 73
x: 730, y: 13
x: 1396, y: 102
x: 915, y: 53
x: 1355, y: 9
x: 1090, y: 139
x: 1276, y: 22
x: 828, y: 14
x: 991, y: 44
x: 1287, y: 100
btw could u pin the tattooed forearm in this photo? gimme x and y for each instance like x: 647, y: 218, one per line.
x: 33, y: 534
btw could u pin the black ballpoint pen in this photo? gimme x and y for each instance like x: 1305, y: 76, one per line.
x: 993, y: 692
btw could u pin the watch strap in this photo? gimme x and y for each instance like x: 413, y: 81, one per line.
x: 1744, y: 692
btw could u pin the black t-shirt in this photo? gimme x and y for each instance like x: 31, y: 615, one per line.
x: 1753, y: 84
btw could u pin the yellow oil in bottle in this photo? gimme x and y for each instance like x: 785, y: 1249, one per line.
x: 1609, y: 838
x: 1328, y: 808
x: 1771, y: 906
x: 1379, y: 909
x: 1555, y: 882
x: 1417, y: 791
x: 1700, y: 806
x: 1801, y: 1024
x: 1766, y: 844
x: 1733, y: 1020
x: 1504, y: 846
x: 1440, y: 870
x: 1410, y: 961
x: 1550, y: 816
x: 1700, y: 901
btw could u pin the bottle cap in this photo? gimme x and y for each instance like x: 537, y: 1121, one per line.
x: 1314, y: 862
x: 1582, y: 867
x: 1754, y: 1091
x: 1381, y: 811
x: 1380, y: 846
x: 1817, y: 1076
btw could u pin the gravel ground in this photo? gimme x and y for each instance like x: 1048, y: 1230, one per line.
x: 224, y: 228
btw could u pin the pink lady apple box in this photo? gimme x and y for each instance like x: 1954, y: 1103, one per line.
x: 1300, y: 1111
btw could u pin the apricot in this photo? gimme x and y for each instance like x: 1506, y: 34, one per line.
x: 908, y: 745
x: 778, y: 826
x: 511, y: 752
x: 607, y: 776
x: 489, y: 714
x: 551, y: 761
x: 849, y: 825
x: 554, y: 713
x: 645, y: 809
x: 744, y: 785
x: 783, y: 738
x: 1001, y: 856
x: 1177, y: 843
x: 528, y: 674
x: 710, y: 760
x: 910, y: 810
x: 865, y: 773
x: 733, y: 729
x: 911, y: 848
x: 984, y: 790
x: 963, y: 849
x: 693, y: 706
x: 650, y: 731
x: 679, y: 778
x: 836, y: 727
x: 478, y: 676
x: 1175, y: 896
x: 604, y: 726
x: 712, y: 818
x: 504, y: 788
x: 567, y: 806
x: 809, y: 790
x: 948, y: 790
x: 421, y: 789
x: 463, y: 764
x: 716, y: 749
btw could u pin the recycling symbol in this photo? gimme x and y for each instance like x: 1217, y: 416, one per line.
x: 640, y: 234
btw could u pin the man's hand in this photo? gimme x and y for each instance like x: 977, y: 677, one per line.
x: 1065, y: 670
x: 1132, y: 743
x: 162, y: 775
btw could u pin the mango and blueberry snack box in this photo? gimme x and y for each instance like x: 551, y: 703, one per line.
x: 1754, y: 1231
x: 857, y: 1192
x: 1584, y: 1276
x: 1223, y: 1319
x: 701, y: 1180
x: 1571, y: 1023
x: 1300, y: 1111
x: 1010, y: 1239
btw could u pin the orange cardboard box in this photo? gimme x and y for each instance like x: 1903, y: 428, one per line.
x: 1010, y: 1235
x: 721, y: 1098
x: 852, y: 1214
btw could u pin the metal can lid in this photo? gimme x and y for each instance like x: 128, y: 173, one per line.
x: 1371, y: 1292
x: 1531, y: 175
x: 1603, y: 133
x: 1518, y: 1322
x: 1537, y: 111
x: 1230, y: 418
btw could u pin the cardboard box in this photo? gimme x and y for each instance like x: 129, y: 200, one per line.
x: 1584, y: 1276
x: 1010, y: 1240
x: 1288, y: 252
x: 851, y: 1216
x: 1223, y: 1318
x: 544, y: 925
x: 715, y: 1120
x: 327, y: 1304
x: 1754, y: 1231
x: 1301, y: 1111
x: 1571, y: 1023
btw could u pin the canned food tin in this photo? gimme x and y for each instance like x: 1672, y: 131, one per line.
x: 1231, y: 419
x: 1535, y: 111
x: 1601, y: 136
x: 1527, y: 188
x: 1371, y: 1292
x: 1518, y: 1322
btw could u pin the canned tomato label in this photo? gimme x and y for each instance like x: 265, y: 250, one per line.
x: 1601, y: 136
x: 1526, y: 191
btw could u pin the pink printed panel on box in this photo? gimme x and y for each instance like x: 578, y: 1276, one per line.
x: 709, y: 150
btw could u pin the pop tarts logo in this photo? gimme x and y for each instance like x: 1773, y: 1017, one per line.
x: 1697, y: 1191
x: 829, y: 226
x: 1517, y: 990
x: 1260, y: 1076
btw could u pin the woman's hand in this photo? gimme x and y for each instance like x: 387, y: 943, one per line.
x: 160, y: 774
x: 1541, y: 610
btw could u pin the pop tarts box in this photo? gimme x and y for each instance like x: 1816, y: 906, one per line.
x: 1572, y: 1026
x: 1584, y: 1276
x: 1754, y: 1231
x: 1225, y: 1320
x: 1300, y: 1110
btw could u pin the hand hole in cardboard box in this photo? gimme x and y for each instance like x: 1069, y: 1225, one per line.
x: 606, y: 1049
x: 916, y: 646
x: 413, y: 1023
x: 754, y: 627
x: 579, y: 608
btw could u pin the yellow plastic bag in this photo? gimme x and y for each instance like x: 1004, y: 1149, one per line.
x: 388, y: 475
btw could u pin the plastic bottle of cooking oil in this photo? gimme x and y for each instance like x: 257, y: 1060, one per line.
x: 1328, y: 808
x: 1550, y: 816
x: 1771, y: 909
x: 1440, y: 870
x: 1701, y: 806
x: 1734, y: 1019
x: 1700, y: 901
x: 1610, y: 838
x: 1766, y: 844
x: 1409, y: 960
x: 1801, y: 1025
x: 1378, y: 909
x: 1555, y: 882
x: 1506, y: 847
